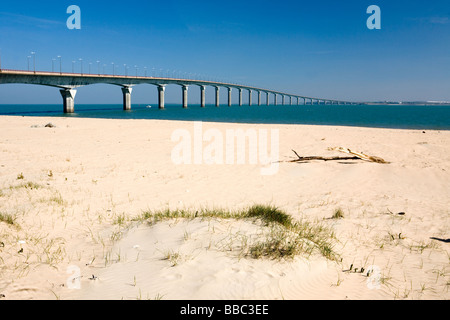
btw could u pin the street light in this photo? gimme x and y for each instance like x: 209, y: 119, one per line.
x: 98, y: 67
x: 34, y: 61
x: 60, y: 69
x: 114, y: 70
x: 81, y: 60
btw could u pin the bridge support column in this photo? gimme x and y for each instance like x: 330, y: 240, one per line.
x: 259, y: 98
x: 127, y: 98
x: 161, y: 90
x: 229, y: 97
x: 217, y: 96
x: 275, y: 99
x: 304, y: 101
x: 240, y: 96
x: 68, y: 96
x: 267, y: 98
x: 250, y: 97
x: 290, y: 100
x: 184, y: 90
x: 202, y: 96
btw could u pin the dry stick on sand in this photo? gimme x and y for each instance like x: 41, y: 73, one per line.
x: 356, y: 156
x: 361, y: 156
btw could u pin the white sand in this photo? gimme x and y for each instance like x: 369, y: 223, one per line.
x: 95, y: 172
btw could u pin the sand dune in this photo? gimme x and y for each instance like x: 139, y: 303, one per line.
x: 72, y: 191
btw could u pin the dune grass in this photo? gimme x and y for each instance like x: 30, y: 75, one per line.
x: 27, y: 185
x: 338, y: 214
x: 7, y: 218
x: 283, y: 239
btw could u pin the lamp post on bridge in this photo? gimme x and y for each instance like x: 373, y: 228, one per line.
x: 81, y: 61
x: 114, y: 70
x: 34, y: 61
x: 98, y: 67
x: 60, y: 65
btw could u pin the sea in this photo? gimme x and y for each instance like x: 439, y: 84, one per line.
x: 420, y: 117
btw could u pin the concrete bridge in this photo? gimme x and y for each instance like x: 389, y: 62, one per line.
x: 69, y: 82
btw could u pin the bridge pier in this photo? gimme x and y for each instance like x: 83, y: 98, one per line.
x: 202, y: 96
x: 275, y: 99
x: 68, y: 96
x: 127, y: 98
x: 161, y: 90
x: 282, y: 99
x: 184, y: 90
x: 290, y: 100
x: 250, y: 97
x: 229, y: 96
x: 240, y: 96
x: 259, y: 98
x: 267, y: 98
x: 217, y: 96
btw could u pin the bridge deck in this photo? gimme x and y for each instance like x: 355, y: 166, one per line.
x: 68, y: 82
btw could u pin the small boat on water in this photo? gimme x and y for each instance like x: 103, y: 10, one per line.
x: 149, y: 107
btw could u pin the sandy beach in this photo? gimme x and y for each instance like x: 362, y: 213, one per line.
x: 70, y: 195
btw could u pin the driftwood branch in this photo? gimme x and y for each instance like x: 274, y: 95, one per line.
x: 361, y: 155
x: 355, y: 156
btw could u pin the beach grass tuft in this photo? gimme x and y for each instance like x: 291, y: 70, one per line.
x: 338, y: 214
x: 269, y: 214
x: 7, y: 218
x: 285, y: 239
x: 27, y: 185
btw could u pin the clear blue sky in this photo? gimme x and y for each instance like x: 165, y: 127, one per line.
x: 315, y: 48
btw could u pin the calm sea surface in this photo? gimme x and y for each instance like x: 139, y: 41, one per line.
x: 380, y: 116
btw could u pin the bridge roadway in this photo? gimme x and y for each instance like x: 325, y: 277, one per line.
x: 68, y: 82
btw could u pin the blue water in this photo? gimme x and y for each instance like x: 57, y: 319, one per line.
x: 380, y: 116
